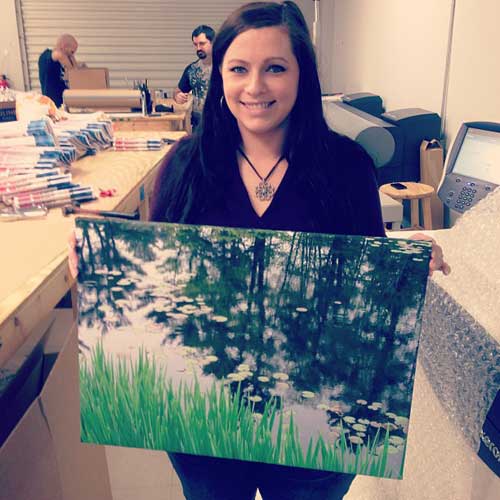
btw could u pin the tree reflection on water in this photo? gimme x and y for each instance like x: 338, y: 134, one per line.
x: 337, y: 315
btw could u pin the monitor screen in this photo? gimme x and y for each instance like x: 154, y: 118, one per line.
x: 479, y: 156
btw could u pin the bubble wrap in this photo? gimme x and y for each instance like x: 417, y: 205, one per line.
x: 439, y: 462
x: 458, y: 369
x: 461, y: 360
x: 460, y: 342
x: 472, y: 247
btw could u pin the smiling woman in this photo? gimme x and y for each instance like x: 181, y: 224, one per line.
x: 261, y: 76
x: 263, y: 157
x: 264, y: 102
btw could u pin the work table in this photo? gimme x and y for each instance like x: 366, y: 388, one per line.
x: 34, y: 252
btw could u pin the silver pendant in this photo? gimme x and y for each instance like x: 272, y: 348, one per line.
x: 265, y: 191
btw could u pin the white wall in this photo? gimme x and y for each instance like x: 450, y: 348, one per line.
x: 326, y: 43
x: 10, y: 53
x: 474, y: 88
x: 397, y: 49
x: 393, y: 48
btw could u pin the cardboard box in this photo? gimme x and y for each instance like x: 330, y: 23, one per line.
x: 21, y: 379
x: 431, y: 171
x: 43, y: 458
x: 88, y: 78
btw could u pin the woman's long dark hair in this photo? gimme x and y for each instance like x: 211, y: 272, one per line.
x: 211, y: 151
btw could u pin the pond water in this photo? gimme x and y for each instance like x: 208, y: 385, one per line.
x: 325, y: 325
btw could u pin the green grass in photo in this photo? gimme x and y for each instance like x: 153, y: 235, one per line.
x: 135, y: 404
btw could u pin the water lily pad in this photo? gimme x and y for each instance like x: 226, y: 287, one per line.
x: 187, y: 309
x: 183, y: 298
x: 179, y: 316
x: 219, y: 319
x: 389, y: 426
x: 396, y: 440
x: 349, y: 419
x: 336, y: 408
x: 402, y: 421
x: 280, y: 376
x: 255, y: 399
x: 355, y: 439
x: 263, y: 378
x: 361, y: 402
x: 186, y: 350
x: 307, y: 394
x: 211, y: 359
x: 124, y: 282
x: 359, y: 427
x: 282, y: 386
x: 301, y: 309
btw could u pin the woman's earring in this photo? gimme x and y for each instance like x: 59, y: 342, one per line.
x: 221, y: 101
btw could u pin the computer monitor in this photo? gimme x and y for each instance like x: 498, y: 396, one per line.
x: 472, y: 168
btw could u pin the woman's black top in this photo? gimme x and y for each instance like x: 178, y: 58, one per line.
x: 346, y: 202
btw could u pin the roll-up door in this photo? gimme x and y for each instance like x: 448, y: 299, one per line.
x: 134, y: 39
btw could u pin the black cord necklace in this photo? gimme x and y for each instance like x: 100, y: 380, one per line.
x: 265, y: 190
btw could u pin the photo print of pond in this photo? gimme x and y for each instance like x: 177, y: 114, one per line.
x: 288, y: 348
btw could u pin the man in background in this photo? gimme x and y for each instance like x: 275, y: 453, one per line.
x: 196, y: 75
x: 52, y: 65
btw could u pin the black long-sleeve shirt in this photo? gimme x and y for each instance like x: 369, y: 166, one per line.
x: 354, y: 207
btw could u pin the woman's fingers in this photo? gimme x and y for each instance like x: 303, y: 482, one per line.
x: 437, y: 262
x: 72, y: 254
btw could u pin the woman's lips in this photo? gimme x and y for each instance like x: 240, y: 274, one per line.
x: 258, y: 105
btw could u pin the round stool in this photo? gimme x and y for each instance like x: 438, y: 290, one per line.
x: 414, y: 191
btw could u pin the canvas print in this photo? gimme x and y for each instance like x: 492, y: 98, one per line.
x: 288, y: 348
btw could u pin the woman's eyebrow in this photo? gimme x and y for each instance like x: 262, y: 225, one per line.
x: 267, y: 60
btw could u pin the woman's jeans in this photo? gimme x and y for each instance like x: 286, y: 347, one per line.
x: 209, y: 478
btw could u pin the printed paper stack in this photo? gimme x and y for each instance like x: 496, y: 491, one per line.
x: 137, y: 144
x: 34, y: 164
x: 87, y: 133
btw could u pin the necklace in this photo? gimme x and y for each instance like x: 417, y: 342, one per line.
x: 265, y: 190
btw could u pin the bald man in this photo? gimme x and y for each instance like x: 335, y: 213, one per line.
x: 52, y: 65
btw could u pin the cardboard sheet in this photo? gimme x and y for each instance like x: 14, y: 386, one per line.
x: 88, y: 78
x: 43, y: 457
